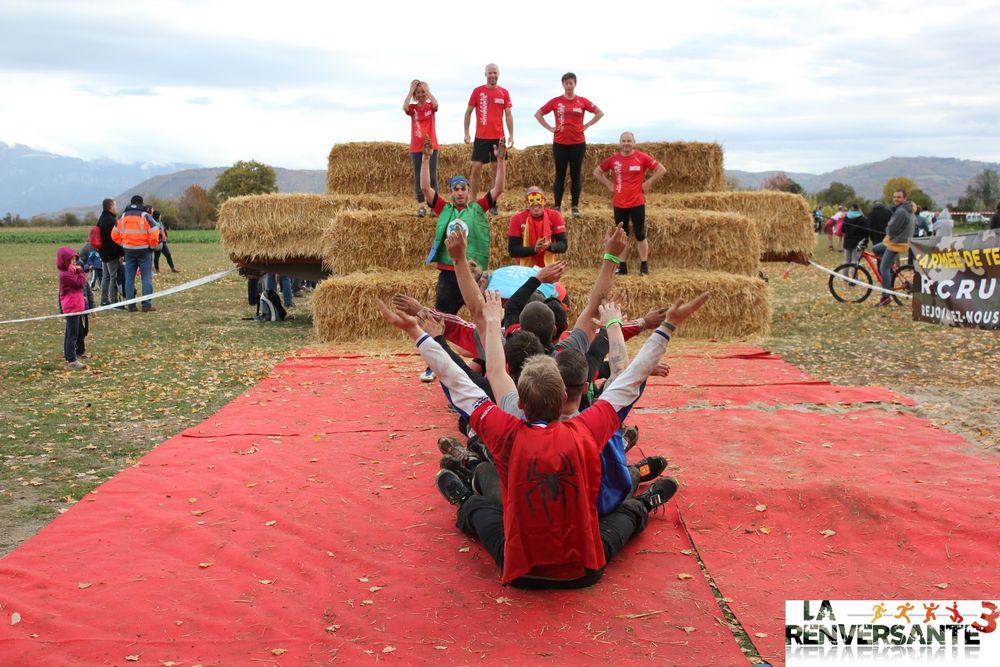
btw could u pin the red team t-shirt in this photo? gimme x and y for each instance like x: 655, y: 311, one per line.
x: 569, y: 118
x: 627, y: 175
x: 489, y: 104
x: 421, y: 126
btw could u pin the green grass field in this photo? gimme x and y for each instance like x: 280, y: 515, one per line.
x: 149, y: 376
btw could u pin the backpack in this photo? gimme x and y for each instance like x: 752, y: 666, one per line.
x: 94, y: 238
x: 269, y: 308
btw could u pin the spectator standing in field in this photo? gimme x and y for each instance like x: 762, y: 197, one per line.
x: 568, y: 142
x: 138, y: 235
x: 421, y: 106
x: 878, y: 220
x: 944, y: 225
x: 491, y: 104
x: 164, y: 248
x: 72, y: 281
x: 537, y: 234
x: 855, y: 230
x: 629, y: 186
x: 111, y: 254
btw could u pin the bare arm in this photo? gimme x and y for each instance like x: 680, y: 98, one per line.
x: 430, y: 96
x: 500, y: 182
x: 602, y: 177
x: 496, y: 365
x: 614, y: 244
x: 611, y: 320
x: 468, y: 119
x: 540, y: 117
x: 510, y: 127
x: 409, y: 96
x: 658, y: 173
x: 598, y: 115
x: 456, y: 244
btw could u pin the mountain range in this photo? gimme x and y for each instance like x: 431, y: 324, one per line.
x: 34, y: 182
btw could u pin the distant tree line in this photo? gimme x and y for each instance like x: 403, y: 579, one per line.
x: 196, y: 209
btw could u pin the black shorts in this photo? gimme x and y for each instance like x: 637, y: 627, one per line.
x: 637, y: 216
x: 482, y: 149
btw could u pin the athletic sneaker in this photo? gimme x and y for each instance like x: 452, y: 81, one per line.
x: 651, y: 467
x: 486, y: 482
x: 427, y: 376
x: 576, y: 212
x: 658, y: 493
x: 452, y: 487
x: 630, y: 434
x: 421, y: 212
x: 457, y: 467
x: 75, y: 365
x: 452, y: 447
x: 493, y: 210
x: 886, y: 300
x: 644, y: 269
x: 623, y: 269
x: 478, y: 449
x: 557, y: 209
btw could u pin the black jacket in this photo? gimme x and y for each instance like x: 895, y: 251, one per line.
x: 878, y: 220
x: 109, y: 249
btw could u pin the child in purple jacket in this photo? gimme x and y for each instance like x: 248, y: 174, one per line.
x: 72, y: 280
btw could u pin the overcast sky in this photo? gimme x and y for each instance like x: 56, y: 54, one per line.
x: 781, y: 85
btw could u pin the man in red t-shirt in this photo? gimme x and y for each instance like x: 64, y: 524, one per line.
x: 628, y: 168
x: 537, y: 234
x: 491, y: 104
x: 568, y: 143
x: 421, y: 106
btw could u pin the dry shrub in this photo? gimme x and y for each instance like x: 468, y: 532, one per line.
x: 344, y: 307
x: 678, y: 238
x: 385, y: 168
x: 784, y: 220
x: 284, y: 226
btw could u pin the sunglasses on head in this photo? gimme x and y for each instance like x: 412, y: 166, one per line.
x: 535, y: 198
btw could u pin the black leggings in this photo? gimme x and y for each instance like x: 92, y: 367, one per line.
x: 572, y: 155
x: 166, y: 253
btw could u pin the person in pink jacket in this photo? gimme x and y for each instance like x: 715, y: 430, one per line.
x: 72, y: 280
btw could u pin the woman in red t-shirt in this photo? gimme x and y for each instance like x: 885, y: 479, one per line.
x: 421, y: 106
x: 568, y: 143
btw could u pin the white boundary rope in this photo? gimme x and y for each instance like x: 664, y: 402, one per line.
x: 197, y: 282
x: 872, y: 286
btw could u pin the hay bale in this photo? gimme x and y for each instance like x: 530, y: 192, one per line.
x: 394, y: 240
x: 783, y: 219
x: 385, y: 168
x: 678, y: 238
x: 344, y: 306
x: 284, y: 226
x: 738, y: 306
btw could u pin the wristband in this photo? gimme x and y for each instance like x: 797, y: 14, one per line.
x: 611, y: 258
x: 669, y: 326
x: 616, y: 320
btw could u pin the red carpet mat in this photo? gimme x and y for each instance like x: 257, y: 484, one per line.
x: 301, y: 524
x: 862, y: 505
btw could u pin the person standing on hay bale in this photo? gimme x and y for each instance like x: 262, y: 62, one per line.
x: 537, y: 234
x: 568, y: 142
x: 628, y: 167
x: 421, y: 106
x: 489, y: 102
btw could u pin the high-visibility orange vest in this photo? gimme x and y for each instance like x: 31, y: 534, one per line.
x: 133, y: 231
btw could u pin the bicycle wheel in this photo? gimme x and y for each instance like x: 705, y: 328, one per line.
x: 848, y: 292
x: 903, y: 280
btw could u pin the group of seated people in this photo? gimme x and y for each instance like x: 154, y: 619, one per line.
x: 543, y: 480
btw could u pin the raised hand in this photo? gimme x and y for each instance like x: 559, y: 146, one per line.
x: 428, y: 147
x: 615, y: 240
x: 433, y: 325
x: 456, y: 244
x: 609, y: 311
x: 654, y: 318
x: 681, y: 311
x: 401, y: 321
x: 551, y: 273
x: 492, y: 307
x: 406, y: 304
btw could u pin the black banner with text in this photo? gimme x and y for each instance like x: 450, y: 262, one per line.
x: 959, y: 280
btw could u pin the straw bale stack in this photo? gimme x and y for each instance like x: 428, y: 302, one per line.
x: 678, y: 238
x: 281, y: 227
x: 385, y: 168
x: 393, y: 239
x: 344, y: 306
x: 784, y: 220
